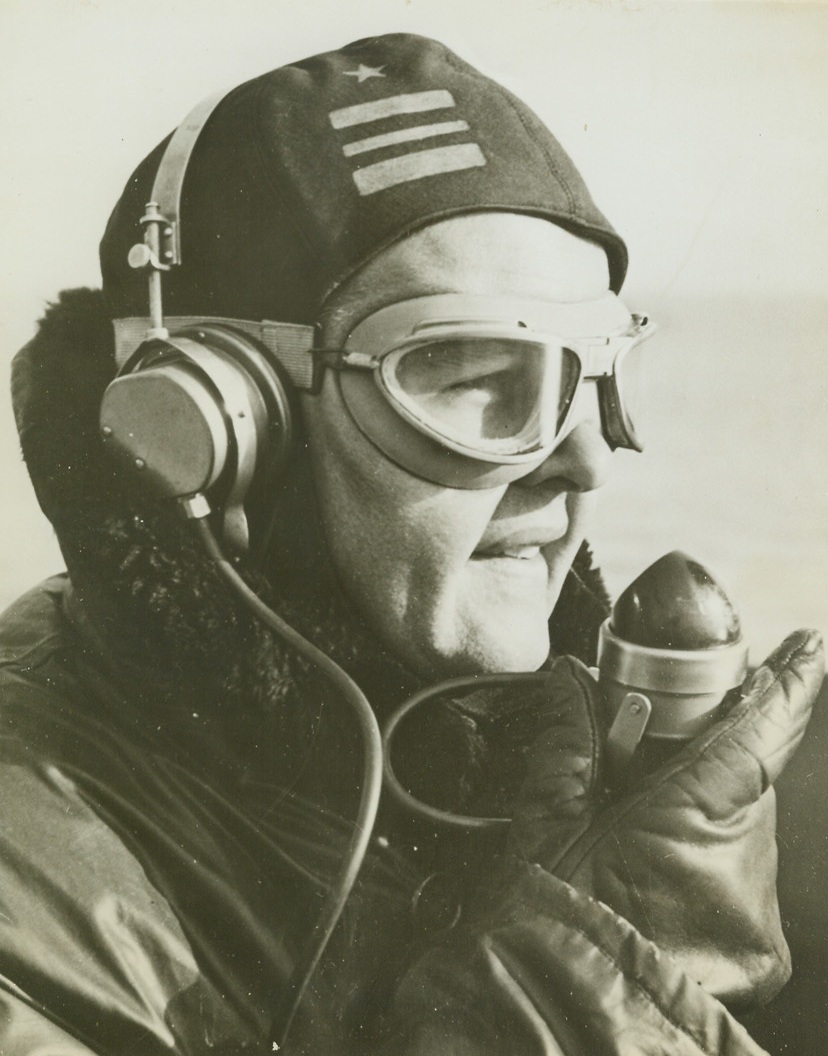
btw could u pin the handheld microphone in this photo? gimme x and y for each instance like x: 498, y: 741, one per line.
x: 667, y: 656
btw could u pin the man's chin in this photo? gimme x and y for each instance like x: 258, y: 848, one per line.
x: 508, y: 648
x: 507, y: 632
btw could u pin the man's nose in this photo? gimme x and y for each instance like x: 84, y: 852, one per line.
x: 583, y: 458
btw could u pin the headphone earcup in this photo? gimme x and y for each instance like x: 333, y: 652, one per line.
x: 203, y: 412
x: 166, y: 429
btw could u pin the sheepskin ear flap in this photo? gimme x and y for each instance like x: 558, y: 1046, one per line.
x: 58, y: 381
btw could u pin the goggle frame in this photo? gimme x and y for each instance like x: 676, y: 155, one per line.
x: 599, y: 358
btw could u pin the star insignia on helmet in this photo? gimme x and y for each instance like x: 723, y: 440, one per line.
x: 362, y: 73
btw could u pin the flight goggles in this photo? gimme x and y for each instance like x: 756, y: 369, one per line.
x: 472, y: 392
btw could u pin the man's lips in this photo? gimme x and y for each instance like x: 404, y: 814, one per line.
x: 522, y: 544
x: 522, y: 553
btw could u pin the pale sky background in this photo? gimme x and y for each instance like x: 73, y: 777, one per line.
x: 700, y: 128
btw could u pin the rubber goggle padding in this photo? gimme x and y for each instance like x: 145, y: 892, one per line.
x: 615, y: 400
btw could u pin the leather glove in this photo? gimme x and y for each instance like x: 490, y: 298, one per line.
x: 688, y: 857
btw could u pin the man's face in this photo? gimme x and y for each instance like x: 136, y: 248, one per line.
x: 459, y: 581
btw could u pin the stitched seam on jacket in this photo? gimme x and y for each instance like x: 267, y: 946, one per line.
x: 636, y: 984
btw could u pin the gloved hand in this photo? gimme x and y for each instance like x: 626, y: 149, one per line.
x: 689, y: 855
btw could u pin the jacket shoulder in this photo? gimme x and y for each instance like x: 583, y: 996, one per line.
x: 33, y: 627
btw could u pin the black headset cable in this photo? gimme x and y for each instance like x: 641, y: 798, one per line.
x: 371, y: 780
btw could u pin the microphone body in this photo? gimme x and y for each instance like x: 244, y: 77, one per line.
x: 667, y: 656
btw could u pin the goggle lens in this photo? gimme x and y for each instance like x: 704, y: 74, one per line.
x: 494, y: 396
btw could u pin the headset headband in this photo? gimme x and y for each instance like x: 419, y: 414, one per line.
x: 169, y: 179
x: 161, y: 248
